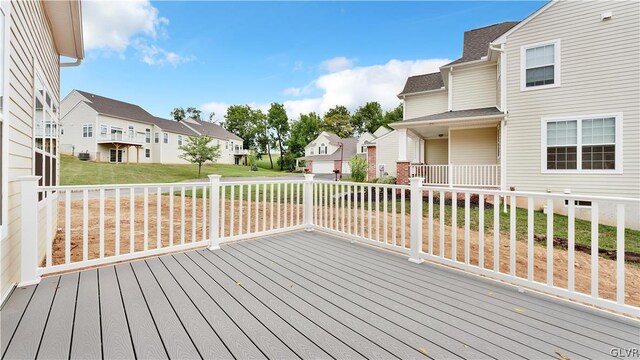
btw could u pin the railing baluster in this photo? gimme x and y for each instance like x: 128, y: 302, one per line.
x: 441, y: 224
x: 454, y: 226
x: 571, y: 245
x: 480, y: 231
x: 512, y: 237
x: 223, y: 210
x: 101, y: 223
x: 467, y: 219
x: 393, y: 217
x: 271, y: 207
x: 132, y: 212
x: 241, y: 209
x: 298, y: 204
x: 291, y: 206
x: 550, y: 242
x: 530, y: 249
x: 620, y: 290
x: 117, y: 228
x: 171, y: 216
x: 159, y: 218
x: 264, y: 207
x: 594, y: 250
x: 316, y: 191
x: 194, y: 203
x: 349, y: 211
x: 403, y: 230
x: 385, y: 214
x: 146, y: 218
x: 67, y: 227
x: 204, y: 213
x: 331, y: 191
x: 232, y: 214
x: 182, y: 212
x: 362, y: 210
x: 256, y: 209
x: 249, y: 191
x: 430, y: 222
x: 279, y: 200
x: 370, y: 197
x: 342, y: 194
x: 496, y: 233
x: 48, y: 230
x: 85, y: 225
x: 377, y: 193
x: 285, y: 201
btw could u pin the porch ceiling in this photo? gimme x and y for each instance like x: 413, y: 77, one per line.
x: 441, y: 130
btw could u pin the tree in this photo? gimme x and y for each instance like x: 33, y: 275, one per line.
x: 367, y: 118
x: 194, y: 113
x: 359, y: 168
x: 240, y: 120
x: 179, y: 114
x: 394, y: 115
x: 279, y: 124
x: 197, y: 150
x: 262, y: 137
x: 337, y: 110
x: 338, y: 124
x: 303, y: 131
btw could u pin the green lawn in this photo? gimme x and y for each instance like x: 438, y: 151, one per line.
x: 76, y: 172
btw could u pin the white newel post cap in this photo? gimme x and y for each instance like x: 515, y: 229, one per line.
x: 309, y: 177
x: 213, y: 177
x: 416, y: 181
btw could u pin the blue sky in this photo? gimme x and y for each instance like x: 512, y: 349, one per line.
x: 308, y: 55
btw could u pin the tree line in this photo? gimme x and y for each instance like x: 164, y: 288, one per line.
x: 263, y: 132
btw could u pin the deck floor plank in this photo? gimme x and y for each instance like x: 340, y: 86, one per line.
x: 56, y: 341
x: 294, y: 339
x: 12, y: 312
x: 28, y: 334
x: 543, y: 331
x: 399, y: 341
x: 116, y: 339
x: 270, y: 345
x: 206, y: 340
x: 233, y: 337
x: 464, y: 329
x: 354, y: 339
x: 432, y: 277
x: 296, y: 295
x: 86, y: 342
x: 146, y: 340
x: 177, y: 342
x: 332, y: 345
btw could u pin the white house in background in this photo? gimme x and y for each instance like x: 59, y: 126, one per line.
x: 325, y: 154
x: 535, y: 105
x: 116, y: 131
x: 34, y: 35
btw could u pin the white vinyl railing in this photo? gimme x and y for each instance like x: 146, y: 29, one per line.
x: 121, y: 137
x: 79, y: 226
x: 458, y: 175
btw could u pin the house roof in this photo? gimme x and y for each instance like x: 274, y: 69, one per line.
x: 424, y: 82
x: 476, y: 41
x: 332, y: 137
x: 107, y: 106
x: 173, y: 126
x: 211, y: 129
x: 454, y: 115
x: 350, y: 150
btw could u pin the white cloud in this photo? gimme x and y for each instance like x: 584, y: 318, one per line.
x: 337, y: 64
x: 351, y: 88
x: 114, y: 26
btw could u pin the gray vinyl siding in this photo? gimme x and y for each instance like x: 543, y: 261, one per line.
x: 474, y: 146
x: 425, y: 104
x: 30, y: 47
x: 474, y: 87
x: 437, y: 151
x: 599, y: 74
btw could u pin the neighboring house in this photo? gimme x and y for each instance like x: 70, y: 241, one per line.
x: 34, y: 35
x: 536, y: 105
x: 116, y: 131
x: 329, y: 152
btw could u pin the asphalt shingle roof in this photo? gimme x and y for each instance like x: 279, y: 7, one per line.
x: 350, y: 150
x: 116, y: 108
x: 421, y: 83
x: 470, y: 113
x: 211, y: 129
x: 476, y: 41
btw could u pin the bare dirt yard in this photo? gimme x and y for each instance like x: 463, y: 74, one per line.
x: 258, y: 218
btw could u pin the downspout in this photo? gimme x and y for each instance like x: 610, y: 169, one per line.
x: 71, y: 64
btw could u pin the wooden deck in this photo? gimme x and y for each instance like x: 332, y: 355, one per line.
x: 296, y: 295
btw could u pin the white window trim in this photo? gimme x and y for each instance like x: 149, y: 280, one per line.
x: 619, y: 144
x: 104, y: 126
x: 87, y: 125
x: 556, y: 65
x: 165, y: 138
x: 180, y: 140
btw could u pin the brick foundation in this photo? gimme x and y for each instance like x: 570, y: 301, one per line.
x: 371, y: 163
x: 402, y: 173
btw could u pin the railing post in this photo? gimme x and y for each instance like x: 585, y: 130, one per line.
x: 29, y: 230
x: 214, y: 212
x: 416, y: 219
x: 450, y: 175
x: 307, y: 202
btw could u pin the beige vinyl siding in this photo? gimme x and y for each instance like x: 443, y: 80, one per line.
x: 71, y: 140
x: 474, y: 146
x: 425, y: 104
x: 599, y: 74
x: 474, y: 87
x: 30, y: 46
x: 437, y: 151
x: 387, y: 153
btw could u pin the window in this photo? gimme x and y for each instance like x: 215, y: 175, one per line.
x: 578, y: 203
x: 179, y: 140
x: 147, y: 153
x: 147, y: 136
x: 540, y: 65
x: 322, y: 150
x: 87, y: 130
x: 363, y: 149
x: 46, y: 134
x: 590, y: 144
x: 132, y: 131
x: 104, y: 129
x: 157, y: 137
x: 165, y: 138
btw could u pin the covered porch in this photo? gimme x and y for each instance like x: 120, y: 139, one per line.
x: 455, y: 149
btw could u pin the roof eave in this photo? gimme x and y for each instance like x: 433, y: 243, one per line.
x: 65, y: 21
x: 402, y: 95
x: 503, y: 38
x: 408, y: 124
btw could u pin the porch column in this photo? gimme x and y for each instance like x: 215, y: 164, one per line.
x: 117, y: 152
x: 137, y: 154
x: 29, y: 230
x: 128, y: 146
x: 421, y: 157
x: 403, y: 144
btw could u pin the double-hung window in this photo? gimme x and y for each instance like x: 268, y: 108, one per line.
x: 589, y: 144
x: 179, y: 140
x: 147, y: 136
x: 132, y: 132
x: 157, y: 137
x: 540, y: 65
x: 322, y: 150
x: 104, y: 130
x: 165, y: 138
x: 87, y: 130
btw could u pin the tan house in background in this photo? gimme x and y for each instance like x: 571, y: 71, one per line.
x: 116, y: 131
x: 535, y: 105
x: 34, y: 35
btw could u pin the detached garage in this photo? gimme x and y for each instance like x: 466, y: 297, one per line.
x: 324, y: 154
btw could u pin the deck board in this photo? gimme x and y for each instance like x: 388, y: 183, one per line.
x: 295, y: 295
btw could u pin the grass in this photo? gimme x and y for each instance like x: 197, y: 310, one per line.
x: 76, y: 172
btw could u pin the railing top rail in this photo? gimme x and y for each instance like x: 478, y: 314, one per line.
x: 119, y: 186
x: 544, y: 195
x: 254, y: 182
x: 389, y: 186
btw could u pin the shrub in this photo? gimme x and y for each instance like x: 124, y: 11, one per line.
x: 358, y: 168
x: 388, y: 180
